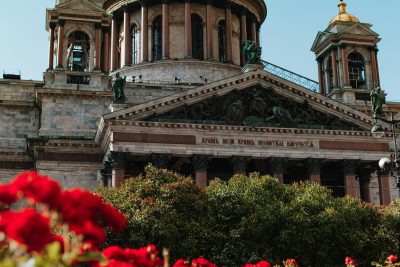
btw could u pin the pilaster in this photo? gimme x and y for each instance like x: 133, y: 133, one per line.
x: 200, y: 164
x: 349, y: 171
x: 314, y: 169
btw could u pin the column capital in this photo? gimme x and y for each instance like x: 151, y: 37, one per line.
x: 52, y: 25
x: 165, y: 1
x: 278, y: 165
x: 200, y: 162
x: 342, y: 46
x: 97, y: 25
x: 105, y: 29
x: 350, y: 165
x: 61, y: 22
x: 209, y: 2
x: 364, y: 173
x: 126, y: 9
x: 161, y: 160
x: 228, y: 4
x: 314, y: 165
x: 143, y: 3
x: 239, y: 163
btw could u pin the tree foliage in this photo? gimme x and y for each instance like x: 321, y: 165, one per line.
x: 250, y: 218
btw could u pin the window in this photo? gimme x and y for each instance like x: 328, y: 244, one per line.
x: 157, y: 39
x: 222, y: 41
x: 356, y: 70
x: 78, y: 51
x: 197, y: 37
x: 135, y: 44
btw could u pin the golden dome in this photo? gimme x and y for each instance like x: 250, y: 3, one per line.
x: 343, y: 16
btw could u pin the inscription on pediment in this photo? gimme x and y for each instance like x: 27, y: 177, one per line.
x: 256, y: 107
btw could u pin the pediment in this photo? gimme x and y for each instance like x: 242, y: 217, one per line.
x: 359, y: 29
x: 80, y: 5
x: 273, y: 90
x: 258, y: 106
x: 320, y: 39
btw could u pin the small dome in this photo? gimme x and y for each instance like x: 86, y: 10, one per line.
x: 343, y: 16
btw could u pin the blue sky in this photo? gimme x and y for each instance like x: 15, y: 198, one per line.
x: 286, y: 35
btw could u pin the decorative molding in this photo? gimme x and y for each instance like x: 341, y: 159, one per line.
x: 200, y: 162
x: 350, y: 166
x: 278, y: 165
x: 239, y: 163
x: 314, y: 165
x: 161, y: 161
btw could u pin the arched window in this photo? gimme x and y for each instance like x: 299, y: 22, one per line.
x: 135, y: 44
x: 197, y: 37
x: 356, y: 65
x: 78, y: 51
x: 222, y: 41
x: 157, y: 39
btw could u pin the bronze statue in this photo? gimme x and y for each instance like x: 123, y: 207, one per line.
x: 118, y: 89
x: 378, y: 99
x: 252, y: 52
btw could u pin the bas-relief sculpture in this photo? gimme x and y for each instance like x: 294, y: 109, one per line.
x: 257, y: 107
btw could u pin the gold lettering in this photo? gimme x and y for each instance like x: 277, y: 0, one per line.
x: 228, y: 141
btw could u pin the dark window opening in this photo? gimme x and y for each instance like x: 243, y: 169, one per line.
x: 222, y: 41
x: 356, y: 66
x: 135, y: 44
x: 78, y: 51
x: 197, y: 37
x: 157, y: 39
x: 78, y: 79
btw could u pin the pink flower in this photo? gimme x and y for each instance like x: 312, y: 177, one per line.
x: 349, y: 261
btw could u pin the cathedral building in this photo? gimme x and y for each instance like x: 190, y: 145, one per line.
x: 137, y: 81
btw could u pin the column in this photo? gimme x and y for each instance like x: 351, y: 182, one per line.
x: 209, y: 9
x: 114, y: 43
x: 365, y: 188
x: 375, y: 78
x: 345, y: 70
x: 161, y: 161
x: 228, y: 28
x: 127, y: 37
x: 98, y: 45
x: 278, y: 166
x: 377, y: 65
x: 118, y: 169
x: 334, y: 68
x: 106, y: 49
x: 239, y: 164
x: 243, y: 36
x: 188, y: 29
x: 253, y: 30
x: 145, y: 33
x: 314, y: 169
x: 320, y: 77
x: 52, y: 26
x: 165, y: 29
x: 200, y: 163
x: 349, y: 171
x: 384, y: 188
x: 60, y: 47
x: 258, y: 37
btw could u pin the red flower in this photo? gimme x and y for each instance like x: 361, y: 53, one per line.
x: 8, y: 194
x: 349, y: 261
x: 28, y: 228
x: 113, y: 217
x: 392, y: 258
x: 202, y: 262
x: 91, y: 233
x: 38, y: 188
x: 181, y: 263
x: 263, y: 264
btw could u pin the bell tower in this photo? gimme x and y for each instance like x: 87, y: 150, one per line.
x: 79, y: 43
x: 346, y: 53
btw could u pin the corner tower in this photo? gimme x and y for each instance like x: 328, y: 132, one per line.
x: 346, y: 53
x: 78, y: 53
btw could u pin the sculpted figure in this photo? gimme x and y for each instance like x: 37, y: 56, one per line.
x: 235, y: 111
x: 118, y: 89
x: 281, y: 115
x: 257, y: 103
x: 252, y: 52
x: 378, y: 99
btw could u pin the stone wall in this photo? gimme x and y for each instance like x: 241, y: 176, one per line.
x: 72, y: 115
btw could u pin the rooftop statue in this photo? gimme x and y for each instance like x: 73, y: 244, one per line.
x: 378, y: 98
x: 118, y: 89
x: 252, y: 52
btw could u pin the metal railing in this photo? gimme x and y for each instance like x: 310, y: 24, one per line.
x: 291, y: 76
